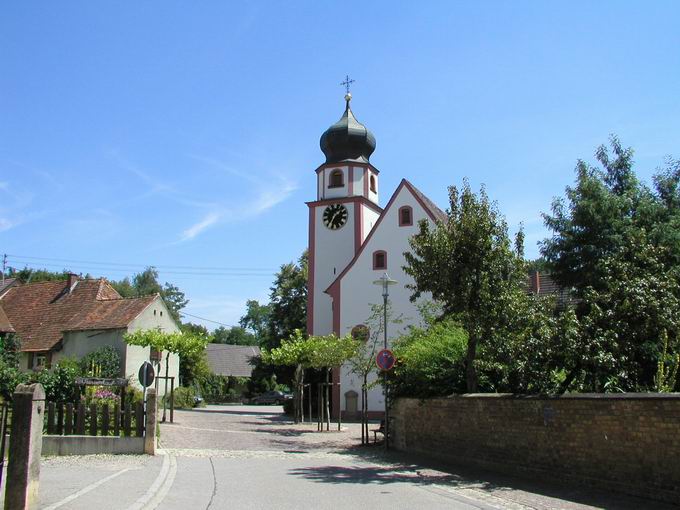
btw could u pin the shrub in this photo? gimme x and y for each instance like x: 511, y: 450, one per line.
x: 430, y: 362
x: 133, y: 395
x: 103, y: 362
x: 184, y: 398
x: 218, y: 389
x: 59, y: 382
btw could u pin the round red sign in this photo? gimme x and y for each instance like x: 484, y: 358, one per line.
x: 385, y: 360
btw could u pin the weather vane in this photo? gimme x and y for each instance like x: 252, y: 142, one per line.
x: 347, y: 83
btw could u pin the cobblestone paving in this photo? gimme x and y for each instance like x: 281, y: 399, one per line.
x: 252, y: 428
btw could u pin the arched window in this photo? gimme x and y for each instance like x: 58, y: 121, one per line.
x: 360, y: 333
x: 336, y: 179
x: 405, y: 216
x: 379, y: 259
x: 372, y: 181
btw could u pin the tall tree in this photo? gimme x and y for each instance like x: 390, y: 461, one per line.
x: 616, y: 243
x: 256, y: 319
x: 288, y: 302
x: 233, y: 336
x: 469, y: 265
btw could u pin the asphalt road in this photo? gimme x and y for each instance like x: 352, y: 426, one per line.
x: 253, y: 458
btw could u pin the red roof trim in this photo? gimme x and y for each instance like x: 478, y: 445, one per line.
x: 346, y: 163
x: 342, y: 200
x: 414, y: 191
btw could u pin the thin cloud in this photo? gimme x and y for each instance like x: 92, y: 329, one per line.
x: 269, y: 193
x: 208, y: 221
x: 6, y: 224
x: 271, y: 197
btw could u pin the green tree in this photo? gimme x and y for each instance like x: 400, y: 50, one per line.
x: 616, y: 243
x: 470, y: 267
x: 318, y: 352
x: 10, y: 375
x: 256, y: 319
x: 288, y: 302
x: 369, y: 338
x: 194, y: 329
x: 235, y: 335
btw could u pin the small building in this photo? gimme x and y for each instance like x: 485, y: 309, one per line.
x: 73, y: 317
x: 231, y: 360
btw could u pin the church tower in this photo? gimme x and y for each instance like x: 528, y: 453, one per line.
x: 344, y: 212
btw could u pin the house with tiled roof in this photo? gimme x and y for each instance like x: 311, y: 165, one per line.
x: 73, y: 317
x: 231, y: 360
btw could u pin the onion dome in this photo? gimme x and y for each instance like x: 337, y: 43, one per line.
x: 347, y: 139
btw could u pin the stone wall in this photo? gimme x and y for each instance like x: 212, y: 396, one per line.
x: 625, y: 442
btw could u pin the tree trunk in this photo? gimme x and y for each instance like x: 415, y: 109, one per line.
x: 165, y: 396
x: 470, y: 371
x: 327, y: 403
x: 299, y: 374
x: 364, y: 411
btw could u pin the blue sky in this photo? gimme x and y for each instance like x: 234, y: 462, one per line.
x: 185, y: 134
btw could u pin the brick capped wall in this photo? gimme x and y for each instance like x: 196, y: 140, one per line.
x: 625, y: 442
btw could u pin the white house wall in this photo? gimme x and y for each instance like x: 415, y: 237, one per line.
x: 358, y: 292
x: 333, y: 251
x: 154, y: 316
x: 78, y: 344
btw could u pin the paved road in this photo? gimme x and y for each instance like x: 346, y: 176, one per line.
x: 253, y: 458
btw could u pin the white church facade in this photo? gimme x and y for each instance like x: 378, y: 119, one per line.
x: 353, y: 241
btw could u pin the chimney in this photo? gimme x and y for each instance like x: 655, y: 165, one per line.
x: 536, y: 282
x: 71, y: 281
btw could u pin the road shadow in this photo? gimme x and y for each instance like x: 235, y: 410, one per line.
x: 393, y: 467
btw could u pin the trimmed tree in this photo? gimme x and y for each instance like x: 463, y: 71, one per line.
x: 182, y: 344
x: 318, y: 352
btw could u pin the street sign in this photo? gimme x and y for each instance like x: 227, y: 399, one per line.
x: 385, y: 360
x: 146, y: 374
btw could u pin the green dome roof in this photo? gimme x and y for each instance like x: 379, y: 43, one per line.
x: 347, y: 139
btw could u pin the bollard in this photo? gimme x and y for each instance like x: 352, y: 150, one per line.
x: 25, y: 447
x: 151, y: 417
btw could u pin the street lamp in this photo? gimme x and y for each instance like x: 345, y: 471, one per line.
x: 385, y: 281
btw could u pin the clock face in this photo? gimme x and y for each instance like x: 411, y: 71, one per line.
x: 335, y: 216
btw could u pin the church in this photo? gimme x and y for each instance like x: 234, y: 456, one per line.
x: 354, y: 241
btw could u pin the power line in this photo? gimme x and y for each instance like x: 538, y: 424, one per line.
x: 184, y: 314
x: 87, y: 267
x: 119, y: 264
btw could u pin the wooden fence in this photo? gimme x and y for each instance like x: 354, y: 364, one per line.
x: 80, y: 419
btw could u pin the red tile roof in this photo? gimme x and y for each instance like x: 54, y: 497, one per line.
x: 5, y: 324
x: 41, y: 312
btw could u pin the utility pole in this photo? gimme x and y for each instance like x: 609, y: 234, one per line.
x: 4, y: 267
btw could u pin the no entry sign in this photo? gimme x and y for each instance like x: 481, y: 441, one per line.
x: 385, y: 360
x: 146, y: 374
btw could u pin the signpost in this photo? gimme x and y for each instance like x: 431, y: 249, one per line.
x: 146, y: 374
x: 385, y: 360
x: 146, y: 377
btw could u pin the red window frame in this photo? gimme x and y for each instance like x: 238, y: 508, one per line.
x: 402, y: 210
x: 377, y: 254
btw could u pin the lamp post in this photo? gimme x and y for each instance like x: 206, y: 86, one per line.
x: 385, y: 281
